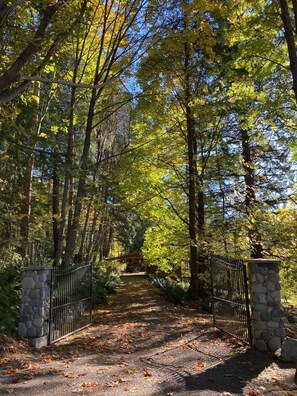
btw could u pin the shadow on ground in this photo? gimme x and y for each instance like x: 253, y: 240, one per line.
x: 231, y: 375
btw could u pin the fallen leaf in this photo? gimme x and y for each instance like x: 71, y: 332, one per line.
x: 47, y: 360
x: 29, y: 366
x: 69, y: 360
x: 200, y: 364
x: 54, y: 371
x: 11, y: 370
x: 89, y: 384
x: 10, y: 349
x: 112, y: 384
x: 29, y: 376
x: 132, y: 371
x: 253, y: 392
x: 146, y: 373
x: 70, y: 375
x: 4, y: 361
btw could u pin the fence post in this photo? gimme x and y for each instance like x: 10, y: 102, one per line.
x: 268, y: 331
x: 35, y: 305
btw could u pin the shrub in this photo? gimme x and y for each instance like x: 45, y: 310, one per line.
x: 104, y: 283
x: 174, y: 291
x: 10, y: 294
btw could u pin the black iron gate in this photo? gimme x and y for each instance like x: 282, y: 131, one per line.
x: 230, y: 302
x: 71, y: 301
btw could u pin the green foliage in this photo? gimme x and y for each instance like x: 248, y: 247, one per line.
x: 166, y: 243
x: 131, y: 229
x: 10, y: 279
x: 279, y: 236
x: 104, y: 283
x: 137, y: 169
x: 174, y: 291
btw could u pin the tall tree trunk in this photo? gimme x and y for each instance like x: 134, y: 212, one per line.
x: 112, y: 36
x: 108, y: 239
x: 290, y: 39
x: 56, y: 206
x: 68, y: 175
x: 202, y: 247
x: 68, y: 179
x: 85, y: 227
x: 95, y: 94
x: 70, y: 195
x: 224, y: 210
x: 27, y: 190
x: 91, y: 241
x: 250, y: 196
x: 27, y: 200
x: 193, y: 291
x: 92, y: 200
x: 71, y: 241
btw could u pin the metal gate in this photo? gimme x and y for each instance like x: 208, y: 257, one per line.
x: 230, y: 302
x: 71, y: 301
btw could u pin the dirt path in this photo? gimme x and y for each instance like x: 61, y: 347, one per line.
x: 142, y: 345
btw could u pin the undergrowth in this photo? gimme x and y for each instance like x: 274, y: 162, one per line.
x: 10, y: 294
x: 104, y: 283
x: 174, y: 291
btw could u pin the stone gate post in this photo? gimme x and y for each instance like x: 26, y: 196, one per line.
x: 35, y: 305
x: 268, y: 330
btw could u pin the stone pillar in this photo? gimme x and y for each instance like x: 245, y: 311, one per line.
x: 268, y: 330
x: 35, y: 305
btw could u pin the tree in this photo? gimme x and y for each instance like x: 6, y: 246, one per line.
x: 177, y: 74
x: 114, y: 24
x: 289, y: 18
x: 258, y: 110
x: 38, y: 39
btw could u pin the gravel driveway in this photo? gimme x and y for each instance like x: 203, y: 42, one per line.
x: 139, y: 344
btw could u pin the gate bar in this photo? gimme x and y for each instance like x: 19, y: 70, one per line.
x: 247, y: 302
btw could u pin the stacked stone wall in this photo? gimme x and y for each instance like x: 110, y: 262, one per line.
x: 267, y: 314
x: 35, y: 305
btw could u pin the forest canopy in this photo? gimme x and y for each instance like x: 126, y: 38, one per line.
x: 167, y: 127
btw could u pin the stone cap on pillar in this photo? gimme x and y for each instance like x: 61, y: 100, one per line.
x: 264, y: 264
x: 36, y: 268
x: 264, y: 261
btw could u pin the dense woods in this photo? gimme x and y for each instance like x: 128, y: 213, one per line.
x: 168, y: 127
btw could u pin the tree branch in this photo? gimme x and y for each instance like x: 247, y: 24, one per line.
x: 174, y: 209
x: 5, y: 10
x: 11, y: 93
x: 11, y: 75
x: 68, y: 83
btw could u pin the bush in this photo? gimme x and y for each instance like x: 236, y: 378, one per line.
x: 10, y: 295
x: 104, y: 283
x: 174, y: 291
